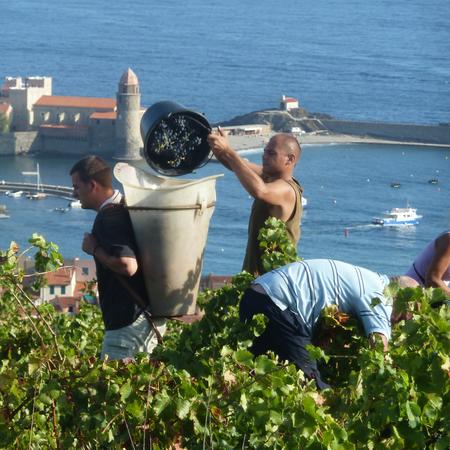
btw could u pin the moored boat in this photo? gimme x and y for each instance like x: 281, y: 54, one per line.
x: 3, y: 212
x: 398, y: 217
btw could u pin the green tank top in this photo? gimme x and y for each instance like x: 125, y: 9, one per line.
x: 259, y: 214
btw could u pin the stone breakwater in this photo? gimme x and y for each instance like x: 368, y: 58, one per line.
x: 321, y: 128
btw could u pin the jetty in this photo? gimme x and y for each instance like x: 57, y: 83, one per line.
x: 32, y: 188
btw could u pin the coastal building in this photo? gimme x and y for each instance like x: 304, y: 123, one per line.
x: 46, y: 123
x: 288, y: 103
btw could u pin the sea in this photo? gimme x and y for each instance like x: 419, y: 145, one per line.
x: 379, y: 61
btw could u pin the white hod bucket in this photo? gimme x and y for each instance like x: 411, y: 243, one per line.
x: 170, y: 220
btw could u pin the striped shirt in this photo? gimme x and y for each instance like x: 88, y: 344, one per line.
x: 306, y: 287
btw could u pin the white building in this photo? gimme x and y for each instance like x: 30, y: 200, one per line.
x: 288, y: 103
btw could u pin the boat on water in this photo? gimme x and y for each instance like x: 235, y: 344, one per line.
x: 39, y: 194
x: 395, y: 184
x: 304, y: 202
x: 398, y: 217
x: 75, y: 204
x: 433, y: 181
x: 3, y: 212
x: 15, y: 194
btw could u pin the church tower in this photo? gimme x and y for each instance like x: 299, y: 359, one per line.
x: 128, y: 138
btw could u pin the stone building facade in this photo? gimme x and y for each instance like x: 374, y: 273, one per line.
x: 73, y: 125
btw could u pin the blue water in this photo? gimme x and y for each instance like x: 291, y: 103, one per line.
x: 346, y: 185
x: 383, y: 60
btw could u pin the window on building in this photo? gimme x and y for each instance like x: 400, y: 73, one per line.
x: 45, y: 116
x: 71, y: 309
x: 113, y: 122
x: 85, y: 270
x: 63, y: 290
x: 60, y: 117
x: 98, y: 122
x: 52, y: 290
x: 76, y: 117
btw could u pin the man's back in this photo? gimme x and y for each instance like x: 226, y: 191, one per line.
x: 308, y: 286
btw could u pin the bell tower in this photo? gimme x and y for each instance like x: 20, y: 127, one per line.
x: 128, y: 138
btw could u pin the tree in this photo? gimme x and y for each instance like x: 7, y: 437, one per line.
x: 5, y: 123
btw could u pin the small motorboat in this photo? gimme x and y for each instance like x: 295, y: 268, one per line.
x: 16, y: 194
x: 433, y: 181
x: 398, y: 217
x: 75, y: 204
x: 394, y: 184
x: 37, y: 196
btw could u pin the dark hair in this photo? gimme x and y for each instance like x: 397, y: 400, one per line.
x: 93, y: 167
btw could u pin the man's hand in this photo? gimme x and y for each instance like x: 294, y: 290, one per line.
x: 89, y: 243
x: 219, y: 143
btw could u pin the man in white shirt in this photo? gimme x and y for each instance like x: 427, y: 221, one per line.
x: 293, y: 296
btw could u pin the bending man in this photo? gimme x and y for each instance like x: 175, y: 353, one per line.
x: 293, y: 296
x: 272, y: 185
x: 113, y: 246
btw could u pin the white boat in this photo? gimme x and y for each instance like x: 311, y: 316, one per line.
x: 398, y: 217
x: 3, y: 212
x: 15, y: 194
x: 304, y: 201
x: 76, y: 204
x: 39, y: 194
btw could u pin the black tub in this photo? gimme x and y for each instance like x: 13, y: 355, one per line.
x: 174, y: 138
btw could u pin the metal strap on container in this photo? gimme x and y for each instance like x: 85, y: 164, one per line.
x: 170, y: 208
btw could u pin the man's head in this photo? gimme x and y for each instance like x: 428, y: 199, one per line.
x: 281, y: 155
x: 92, y: 181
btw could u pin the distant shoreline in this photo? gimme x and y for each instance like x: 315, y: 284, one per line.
x: 253, y: 142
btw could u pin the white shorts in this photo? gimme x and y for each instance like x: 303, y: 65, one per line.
x: 135, y: 338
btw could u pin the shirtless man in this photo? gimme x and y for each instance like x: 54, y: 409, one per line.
x: 271, y: 184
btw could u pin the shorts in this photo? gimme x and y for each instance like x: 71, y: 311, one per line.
x: 285, y: 334
x: 138, y: 337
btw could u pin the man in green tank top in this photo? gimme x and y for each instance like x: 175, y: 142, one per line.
x: 271, y: 184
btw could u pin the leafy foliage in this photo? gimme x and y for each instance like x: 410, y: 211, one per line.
x: 5, y: 123
x: 203, y: 389
x: 277, y: 248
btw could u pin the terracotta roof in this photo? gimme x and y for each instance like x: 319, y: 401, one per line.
x: 104, y: 115
x: 60, y: 277
x: 4, y: 108
x: 63, y: 303
x: 77, y: 102
x: 129, y: 77
x: 289, y: 99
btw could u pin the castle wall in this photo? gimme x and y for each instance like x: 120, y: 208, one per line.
x: 19, y: 142
x: 102, y: 137
x: 65, y: 145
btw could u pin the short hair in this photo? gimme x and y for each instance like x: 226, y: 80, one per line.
x: 93, y: 167
x: 290, y: 144
x: 404, y: 281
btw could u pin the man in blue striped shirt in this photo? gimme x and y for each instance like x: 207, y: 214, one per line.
x: 293, y: 296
